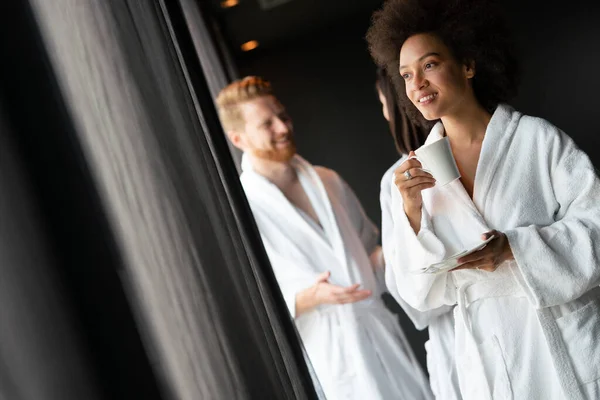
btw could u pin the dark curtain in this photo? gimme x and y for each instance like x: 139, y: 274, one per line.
x: 131, y: 265
x: 215, y: 58
x: 42, y: 349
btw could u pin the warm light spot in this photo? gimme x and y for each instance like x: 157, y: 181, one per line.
x: 251, y: 45
x: 229, y: 3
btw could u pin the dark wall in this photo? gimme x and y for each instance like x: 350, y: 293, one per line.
x: 559, y: 47
x: 327, y: 83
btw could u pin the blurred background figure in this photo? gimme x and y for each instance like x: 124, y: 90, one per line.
x: 409, y: 133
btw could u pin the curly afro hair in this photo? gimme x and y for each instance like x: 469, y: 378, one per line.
x: 474, y: 31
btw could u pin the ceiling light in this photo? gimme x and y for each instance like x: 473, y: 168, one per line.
x: 229, y: 3
x: 251, y: 45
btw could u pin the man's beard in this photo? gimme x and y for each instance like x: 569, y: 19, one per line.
x: 278, y: 155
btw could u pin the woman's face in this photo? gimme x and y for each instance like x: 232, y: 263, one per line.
x: 386, y: 113
x: 436, y: 83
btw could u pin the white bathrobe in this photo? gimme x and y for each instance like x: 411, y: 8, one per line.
x: 358, y: 350
x: 531, y: 329
x: 440, y: 321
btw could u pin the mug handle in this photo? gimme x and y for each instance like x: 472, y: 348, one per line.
x: 422, y: 169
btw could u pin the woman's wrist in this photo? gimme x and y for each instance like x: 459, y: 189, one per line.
x: 414, y: 217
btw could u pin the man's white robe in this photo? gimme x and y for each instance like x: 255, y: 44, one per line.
x: 358, y: 350
x: 531, y: 329
x: 440, y: 321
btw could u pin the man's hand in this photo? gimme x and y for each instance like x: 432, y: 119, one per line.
x: 323, y: 292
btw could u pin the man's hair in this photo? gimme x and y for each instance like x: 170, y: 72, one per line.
x: 474, y: 31
x: 236, y: 93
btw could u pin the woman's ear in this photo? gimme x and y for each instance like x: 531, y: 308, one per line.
x: 469, y: 69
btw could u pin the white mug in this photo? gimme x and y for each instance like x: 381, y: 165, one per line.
x: 437, y: 159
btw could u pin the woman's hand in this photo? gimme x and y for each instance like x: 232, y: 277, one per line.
x: 491, y: 256
x: 410, y: 179
x: 410, y: 186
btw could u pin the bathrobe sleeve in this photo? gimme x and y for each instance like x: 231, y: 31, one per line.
x: 402, y: 249
x: 560, y: 262
x: 367, y: 230
x: 291, y: 278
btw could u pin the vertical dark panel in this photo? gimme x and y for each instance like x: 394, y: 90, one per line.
x: 42, y: 351
x: 180, y: 230
x: 214, y: 56
x: 65, y: 212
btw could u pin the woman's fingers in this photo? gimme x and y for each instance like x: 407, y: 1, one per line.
x: 475, y: 256
x: 485, y: 259
x: 414, y: 173
x: 415, y: 184
x: 484, y: 264
x: 407, y: 165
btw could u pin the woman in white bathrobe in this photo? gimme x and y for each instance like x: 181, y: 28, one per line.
x: 409, y: 135
x: 526, y: 305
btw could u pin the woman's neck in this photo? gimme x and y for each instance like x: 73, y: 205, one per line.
x: 467, y: 125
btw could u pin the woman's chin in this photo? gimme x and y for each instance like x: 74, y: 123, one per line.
x: 429, y: 115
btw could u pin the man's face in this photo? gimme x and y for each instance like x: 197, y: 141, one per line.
x: 267, y: 132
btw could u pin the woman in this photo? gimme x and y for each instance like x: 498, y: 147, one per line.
x: 527, y: 304
x: 409, y: 135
